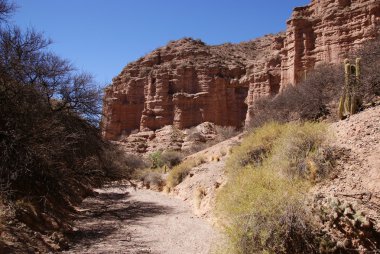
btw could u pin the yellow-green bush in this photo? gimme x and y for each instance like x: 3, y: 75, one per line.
x: 264, y: 212
x: 254, y: 147
x: 179, y: 172
x: 159, y: 159
x: 263, y: 204
x: 300, y: 151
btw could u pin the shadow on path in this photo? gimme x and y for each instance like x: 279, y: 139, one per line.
x: 106, y: 213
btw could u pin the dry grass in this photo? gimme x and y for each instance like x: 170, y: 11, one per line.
x: 169, y: 159
x: 264, y: 212
x: 263, y: 204
x: 301, y: 151
x: 254, y: 147
x: 172, y: 158
x: 121, y: 165
x: 225, y: 132
x: 3, y: 213
x: 153, y: 180
x: 179, y: 172
x: 199, y: 194
x: 201, y: 142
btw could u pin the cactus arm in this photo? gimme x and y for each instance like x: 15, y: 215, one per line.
x: 349, y: 102
x: 354, y: 105
x: 341, y: 107
x: 358, y: 67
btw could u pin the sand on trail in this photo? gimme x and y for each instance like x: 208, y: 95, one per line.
x: 120, y: 219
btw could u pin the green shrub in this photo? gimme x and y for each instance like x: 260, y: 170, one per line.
x: 156, y: 159
x: 160, y: 159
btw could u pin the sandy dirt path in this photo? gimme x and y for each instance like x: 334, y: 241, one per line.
x: 119, y: 219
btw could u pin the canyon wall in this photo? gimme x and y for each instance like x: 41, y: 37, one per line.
x: 187, y: 82
x: 326, y: 31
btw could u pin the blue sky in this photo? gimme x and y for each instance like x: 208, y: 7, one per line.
x: 102, y: 36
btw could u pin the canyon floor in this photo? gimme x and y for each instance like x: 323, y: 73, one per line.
x: 121, y: 219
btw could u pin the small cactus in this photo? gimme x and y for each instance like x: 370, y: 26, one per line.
x: 349, y: 102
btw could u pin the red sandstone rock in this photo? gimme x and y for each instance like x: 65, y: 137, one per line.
x: 187, y: 82
x: 326, y: 31
x: 169, y: 138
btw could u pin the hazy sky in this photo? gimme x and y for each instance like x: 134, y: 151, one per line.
x: 102, y: 36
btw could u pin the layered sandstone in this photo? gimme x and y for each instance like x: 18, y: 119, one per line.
x: 325, y: 32
x: 187, y: 82
x: 170, y: 138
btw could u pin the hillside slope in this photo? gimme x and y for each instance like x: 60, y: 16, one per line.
x: 346, y: 205
x: 357, y: 179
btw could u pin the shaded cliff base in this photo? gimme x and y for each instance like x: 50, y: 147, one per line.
x: 38, y: 217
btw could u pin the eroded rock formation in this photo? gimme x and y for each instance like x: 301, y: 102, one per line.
x: 325, y: 31
x: 187, y: 82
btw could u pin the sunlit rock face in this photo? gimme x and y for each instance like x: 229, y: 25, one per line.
x: 187, y: 82
x: 326, y: 31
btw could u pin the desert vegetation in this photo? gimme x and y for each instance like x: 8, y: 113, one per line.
x: 317, y: 97
x: 168, y: 168
x: 51, y: 151
x: 369, y: 88
x: 314, y: 98
x: 53, y: 156
x: 263, y: 204
x: 168, y: 159
x: 166, y: 176
x: 179, y: 172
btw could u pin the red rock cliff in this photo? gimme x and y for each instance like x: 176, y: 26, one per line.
x: 187, y: 82
x: 325, y: 31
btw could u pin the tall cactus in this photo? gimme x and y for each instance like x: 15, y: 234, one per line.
x: 349, y: 102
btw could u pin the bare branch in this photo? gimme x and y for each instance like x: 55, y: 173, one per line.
x: 6, y: 9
